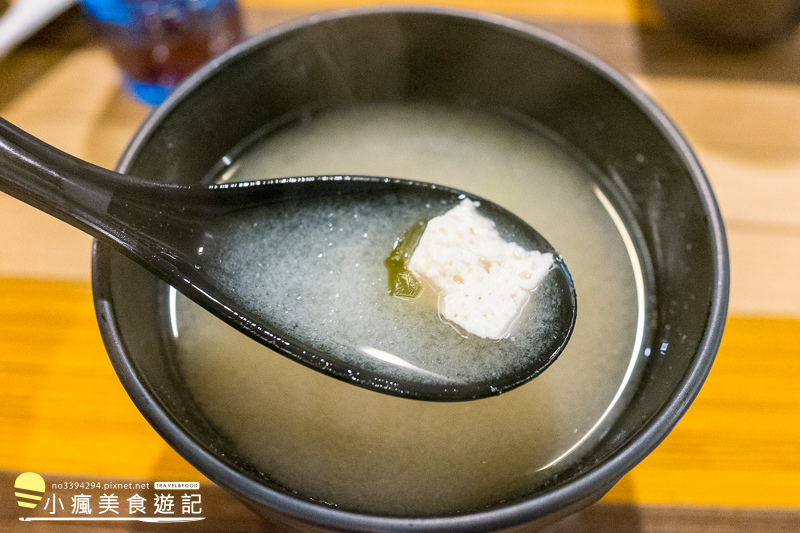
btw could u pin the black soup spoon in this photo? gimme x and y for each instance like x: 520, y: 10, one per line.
x: 219, y: 246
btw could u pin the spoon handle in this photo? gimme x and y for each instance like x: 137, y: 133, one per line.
x: 105, y: 204
x: 55, y: 182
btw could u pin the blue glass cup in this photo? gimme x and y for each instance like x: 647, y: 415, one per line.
x: 157, y: 43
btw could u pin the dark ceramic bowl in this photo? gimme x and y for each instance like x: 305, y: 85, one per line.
x: 407, y: 55
x: 740, y: 25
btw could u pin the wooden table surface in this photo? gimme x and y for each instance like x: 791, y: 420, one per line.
x: 732, y: 464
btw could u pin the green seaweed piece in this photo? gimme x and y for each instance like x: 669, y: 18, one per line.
x: 402, y: 282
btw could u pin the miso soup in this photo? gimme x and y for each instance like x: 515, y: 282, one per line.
x: 363, y: 451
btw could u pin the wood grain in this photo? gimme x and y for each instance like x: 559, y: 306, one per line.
x: 222, y: 512
x: 733, y: 459
x: 65, y: 411
x: 743, y: 130
x: 573, y: 10
x: 62, y: 408
x: 747, y: 137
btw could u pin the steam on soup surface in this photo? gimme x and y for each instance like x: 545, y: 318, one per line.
x: 363, y: 451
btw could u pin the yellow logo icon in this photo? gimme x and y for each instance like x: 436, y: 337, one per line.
x: 28, y: 489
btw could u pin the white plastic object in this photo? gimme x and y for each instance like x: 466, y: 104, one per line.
x: 26, y: 17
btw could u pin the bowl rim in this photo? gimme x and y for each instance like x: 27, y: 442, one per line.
x: 582, y: 490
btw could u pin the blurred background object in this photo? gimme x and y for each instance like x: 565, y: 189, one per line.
x: 157, y: 43
x: 732, y: 24
x: 24, y: 18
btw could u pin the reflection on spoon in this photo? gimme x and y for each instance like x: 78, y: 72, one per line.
x: 392, y: 359
x: 297, y: 264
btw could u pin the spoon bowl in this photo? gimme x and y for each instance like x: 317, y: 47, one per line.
x: 199, y: 239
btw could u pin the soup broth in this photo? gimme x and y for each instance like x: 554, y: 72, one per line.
x: 363, y: 451
x: 314, y: 269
